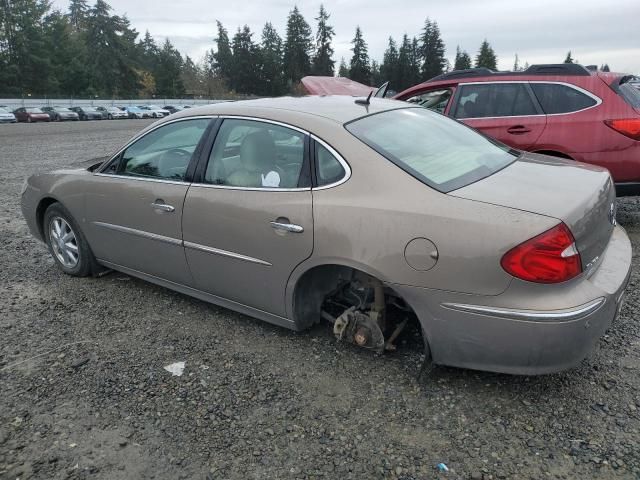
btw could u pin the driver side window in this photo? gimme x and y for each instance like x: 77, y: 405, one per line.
x: 164, y: 153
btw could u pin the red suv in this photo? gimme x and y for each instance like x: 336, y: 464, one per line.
x: 562, y: 110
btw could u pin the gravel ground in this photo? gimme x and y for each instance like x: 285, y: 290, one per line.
x: 90, y: 398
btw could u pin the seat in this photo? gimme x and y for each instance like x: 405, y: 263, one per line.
x: 257, y: 159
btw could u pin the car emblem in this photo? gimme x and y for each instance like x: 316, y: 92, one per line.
x: 612, y: 214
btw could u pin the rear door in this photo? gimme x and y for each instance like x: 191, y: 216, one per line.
x: 248, y: 216
x: 506, y: 111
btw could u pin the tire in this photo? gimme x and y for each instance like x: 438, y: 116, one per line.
x: 29, y: 120
x: 110, y: 117
x: 82, y: 263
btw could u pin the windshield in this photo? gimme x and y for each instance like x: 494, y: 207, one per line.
x: 438, y: 151
x: 89, y: 109
x: 34, y: 110
x: 2, y: 110
x: 113, y: 109
x: 61, y: 109
x: 133, y: 109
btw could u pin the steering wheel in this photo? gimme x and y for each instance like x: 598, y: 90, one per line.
x: 174, y: 162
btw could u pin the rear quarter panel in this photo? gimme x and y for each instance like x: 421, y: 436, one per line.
x: 367, y: 222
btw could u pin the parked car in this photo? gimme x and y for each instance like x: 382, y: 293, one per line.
x: 360, y: 212
x: 135, y: 112
x: 87, y: 113
x: 562, y: 110
x: 7, y: 117
x: 31, y: 114
x: 173, y: 108
x: 156, y: 112
x: 59, y: 114
x: 112, y: 113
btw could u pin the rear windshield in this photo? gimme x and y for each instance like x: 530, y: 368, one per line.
x: 630, y: 90
x: 438, y: 151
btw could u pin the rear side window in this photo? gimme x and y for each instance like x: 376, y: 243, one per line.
x: 630, y: 91
x: 556, y: 98
x: 434, y: 149
x: 328, y: 169
x: 494, y: 100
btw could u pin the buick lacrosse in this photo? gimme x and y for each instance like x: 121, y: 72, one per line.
x: 360, y: 212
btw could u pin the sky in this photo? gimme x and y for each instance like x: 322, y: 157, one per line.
x: 539, y: 31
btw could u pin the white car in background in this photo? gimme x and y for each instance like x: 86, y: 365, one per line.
x: 156, y: 112
x: 6, y: 116
x: 112, y: 113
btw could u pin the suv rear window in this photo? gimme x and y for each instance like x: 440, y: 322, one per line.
x: 438, y: 151
x: 557, y: 98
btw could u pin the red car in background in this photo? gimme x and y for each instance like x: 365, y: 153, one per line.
x: 561, y: 110
x: 29, y: 115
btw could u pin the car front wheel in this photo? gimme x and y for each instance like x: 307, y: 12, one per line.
x: 67, y: 245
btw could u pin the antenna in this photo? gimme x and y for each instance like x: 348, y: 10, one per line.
x: 365, y: 101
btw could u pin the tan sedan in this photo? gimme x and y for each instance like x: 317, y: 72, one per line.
x: 361, y: 213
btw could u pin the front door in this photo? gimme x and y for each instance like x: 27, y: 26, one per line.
x: 505, y: 111
x: 134, y: 207
x: 248, y: 220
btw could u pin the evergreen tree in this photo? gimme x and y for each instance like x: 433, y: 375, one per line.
x: 323, y: 63
x: 415, y: 57
x: 343, y: 70
x: 569, y: 58
x: 408, y: 66
x: 246, y: 58
x: 359, y: 68
x: 605, y: 68
x: 273, y: 82
x: 486, y: 57
x: 110, y: 68
x: 222, y: 58
x: 23, y: 47
x: 432, y: 50
x: 376, y: 78
x: 168, y: 75
x: 516, y: 64
x: 389, y: 66
x: 297, y: 47
x: 67, y: 55
x: 462, y: 60
x: 191, y: 77
x: 78, y: 10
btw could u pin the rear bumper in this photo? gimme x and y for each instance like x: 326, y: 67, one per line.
x: 468, y: 331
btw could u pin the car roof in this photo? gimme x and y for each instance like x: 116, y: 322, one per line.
x: 564, y: 72
x: 336, y: 108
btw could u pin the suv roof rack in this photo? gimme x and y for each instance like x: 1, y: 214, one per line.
x: 572, y: 69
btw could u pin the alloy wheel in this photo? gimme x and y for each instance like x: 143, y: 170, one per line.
x: 63, y: 242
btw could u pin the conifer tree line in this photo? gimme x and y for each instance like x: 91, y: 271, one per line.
x: 90, y: 51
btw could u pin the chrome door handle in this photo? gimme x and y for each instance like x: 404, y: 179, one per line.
x: 158, y: 205
x: 287, y: 227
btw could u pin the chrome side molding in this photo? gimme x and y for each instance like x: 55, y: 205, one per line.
x: 530, y: 315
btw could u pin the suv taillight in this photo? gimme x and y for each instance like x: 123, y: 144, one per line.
x: 629, y: 127
x: 551, y: 257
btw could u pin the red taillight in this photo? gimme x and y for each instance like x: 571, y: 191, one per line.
x: 551, y: 257
x: 629, y: 127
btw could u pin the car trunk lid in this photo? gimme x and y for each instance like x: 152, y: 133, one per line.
x: 582, y: 196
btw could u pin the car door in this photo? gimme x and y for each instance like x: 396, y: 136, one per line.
x: 134, y: 205
x: 506, y: 111
x: 20, y: 114
x: 248, y: 219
